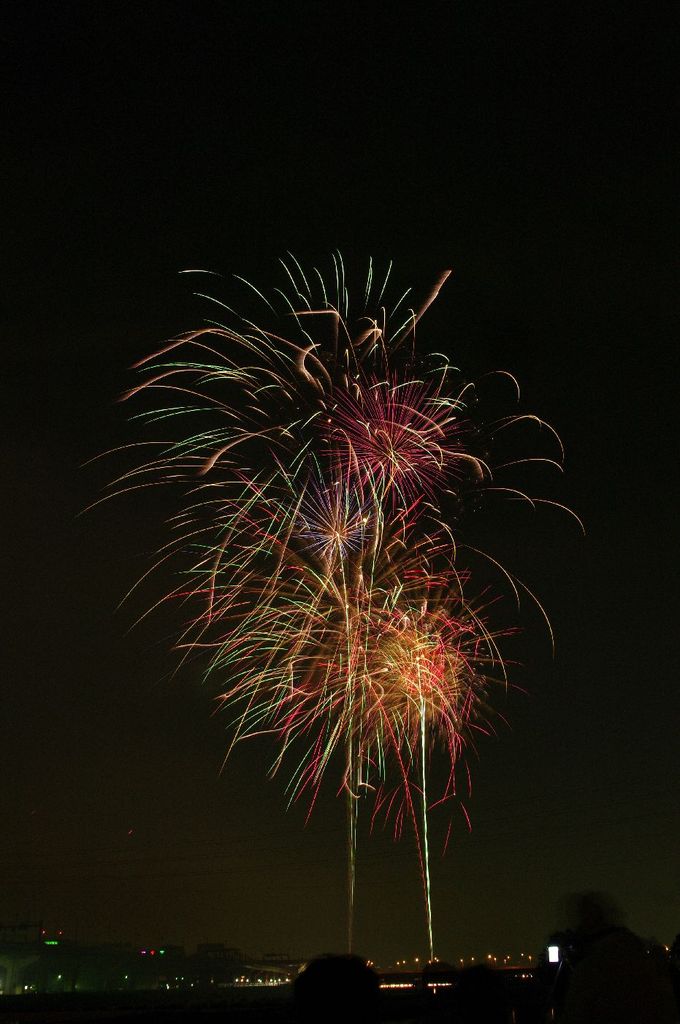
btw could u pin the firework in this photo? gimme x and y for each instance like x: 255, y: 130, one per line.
x: 323, y: 468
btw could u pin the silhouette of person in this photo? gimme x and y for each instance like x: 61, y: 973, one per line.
x: 674, y: 966
x: 337, y: 989
x: 480, y: 997
x: 616, y: 980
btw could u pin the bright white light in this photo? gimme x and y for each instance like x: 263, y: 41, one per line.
x: 553, y: 954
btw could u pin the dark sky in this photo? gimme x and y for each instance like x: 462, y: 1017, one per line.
x: 529, y: 146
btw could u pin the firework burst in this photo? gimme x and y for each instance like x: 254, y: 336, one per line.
x: 406, y: 439
x: 321, y: 570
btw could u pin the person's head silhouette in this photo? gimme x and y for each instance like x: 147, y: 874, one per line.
x: 480, y: 996
x: 335, y: 989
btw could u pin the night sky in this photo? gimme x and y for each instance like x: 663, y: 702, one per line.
x: 528, y: 146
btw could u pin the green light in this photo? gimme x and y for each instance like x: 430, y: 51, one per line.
x: 161, y: 951
x: 51, y: 942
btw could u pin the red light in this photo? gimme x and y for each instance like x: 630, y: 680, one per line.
x: 153, y: 952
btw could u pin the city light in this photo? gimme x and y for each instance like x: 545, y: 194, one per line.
x: 411, y: 973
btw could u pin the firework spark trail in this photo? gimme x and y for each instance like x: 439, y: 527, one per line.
x: 331, y: 605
